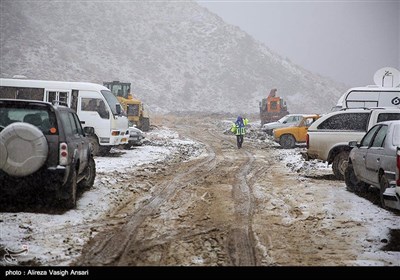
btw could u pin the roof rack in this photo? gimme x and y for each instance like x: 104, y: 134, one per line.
x: 365, y: 108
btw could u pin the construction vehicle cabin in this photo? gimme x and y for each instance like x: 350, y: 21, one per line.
x: 272, y: 108
x: 133, y: 107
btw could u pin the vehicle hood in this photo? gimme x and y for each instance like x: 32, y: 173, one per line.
x: 134, y: 129
x: 272, y: 125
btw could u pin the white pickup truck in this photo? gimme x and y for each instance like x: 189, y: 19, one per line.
x: 329, y: 136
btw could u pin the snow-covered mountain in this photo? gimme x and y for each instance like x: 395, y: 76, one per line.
x: 177, y: 55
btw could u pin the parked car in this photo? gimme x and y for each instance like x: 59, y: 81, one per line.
x: 373, y: 160
x: 135, y: 137
x: 287, y: 137
x: 44, y: 146
x: 287, y: 120
x: 391, y: 196
x: 328, y: 137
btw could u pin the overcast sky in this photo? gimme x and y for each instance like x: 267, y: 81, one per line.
x: 344, y: 40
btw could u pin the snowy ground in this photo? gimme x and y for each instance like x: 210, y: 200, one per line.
x: 57, y: 238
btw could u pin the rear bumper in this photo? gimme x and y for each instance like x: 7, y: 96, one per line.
x: 51, y: 178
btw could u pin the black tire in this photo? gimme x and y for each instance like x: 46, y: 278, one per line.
x: 287, y: 141
x: 94, y: 145
x: 90, y: 174
x: 353, y: 184
x: 339, y: 164
x: 104, y: 150
x: 70, y: 188
x: 145, y: 124
x: 384, y: 184
x: 127, y: 146
x: 269, y: 132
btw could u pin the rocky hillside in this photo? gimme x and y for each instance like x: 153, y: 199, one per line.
x: 178, y: 56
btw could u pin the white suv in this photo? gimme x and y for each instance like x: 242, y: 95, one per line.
x: 329, y: 136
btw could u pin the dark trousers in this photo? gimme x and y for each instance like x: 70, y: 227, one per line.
x: 239, y: 140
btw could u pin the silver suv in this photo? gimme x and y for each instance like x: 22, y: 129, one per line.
x: 373, y: 161
x: 329, y: 136
x: 43, y: 147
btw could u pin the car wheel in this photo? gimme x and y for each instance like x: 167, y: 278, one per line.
x: 145, y: 124
x: 269, y: 132
x: 127, y: 146
x: 94, y: 145
x: 384, y: 184
x: 339, y: 164
x: 104, y: 150
x: 353, y: 184
x: 70, y: 201
x: 90, y: 174
x: 287, y: 141
x: 23, y: 149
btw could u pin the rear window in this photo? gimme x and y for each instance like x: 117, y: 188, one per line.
x: 347, y: 121
x: 40, y: 116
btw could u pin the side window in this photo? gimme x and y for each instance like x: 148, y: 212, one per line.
x: 30, y: 93
x: 66, y: 122
x: 63, y: 97
x: 101, y: 109
x: 73, y: 123
x: 96, y: 105
x: 51, y: 96
x: 388, y: 117
x: 346, y: 121
x: 380, y: 137
x: 74, y: 100
x: 78, y: 124
x: 366, y: 141
x: 8, y: 92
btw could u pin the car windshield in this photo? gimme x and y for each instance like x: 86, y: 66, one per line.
x: 281, y: 120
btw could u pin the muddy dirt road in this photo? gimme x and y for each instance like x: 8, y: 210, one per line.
x: 238, y: 207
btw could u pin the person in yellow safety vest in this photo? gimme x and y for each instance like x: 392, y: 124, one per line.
x: 239, y: 128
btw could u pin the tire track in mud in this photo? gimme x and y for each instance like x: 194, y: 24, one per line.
x: 112, y: 249
x: 241, y: 243
x: 121, y: 246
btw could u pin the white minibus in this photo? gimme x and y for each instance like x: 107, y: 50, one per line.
x: 95, y: 105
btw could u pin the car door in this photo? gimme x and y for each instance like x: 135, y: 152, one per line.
x: 359, y: 165
x: 374, y: 155
x: 82, y: 143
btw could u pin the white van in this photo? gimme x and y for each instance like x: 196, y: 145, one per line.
x: 369, y: 97
x: 95, y: 105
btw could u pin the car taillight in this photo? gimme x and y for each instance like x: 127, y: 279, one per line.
x: 307, y: 141
x: 63, y: 153
x: 115, y: 132
x: 398, y: 167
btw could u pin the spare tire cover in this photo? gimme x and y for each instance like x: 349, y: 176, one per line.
x: 23, y: 149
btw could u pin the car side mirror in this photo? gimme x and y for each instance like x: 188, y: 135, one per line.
x: 89, y: 130
x: 353, y: 144
x: 284, y: 121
